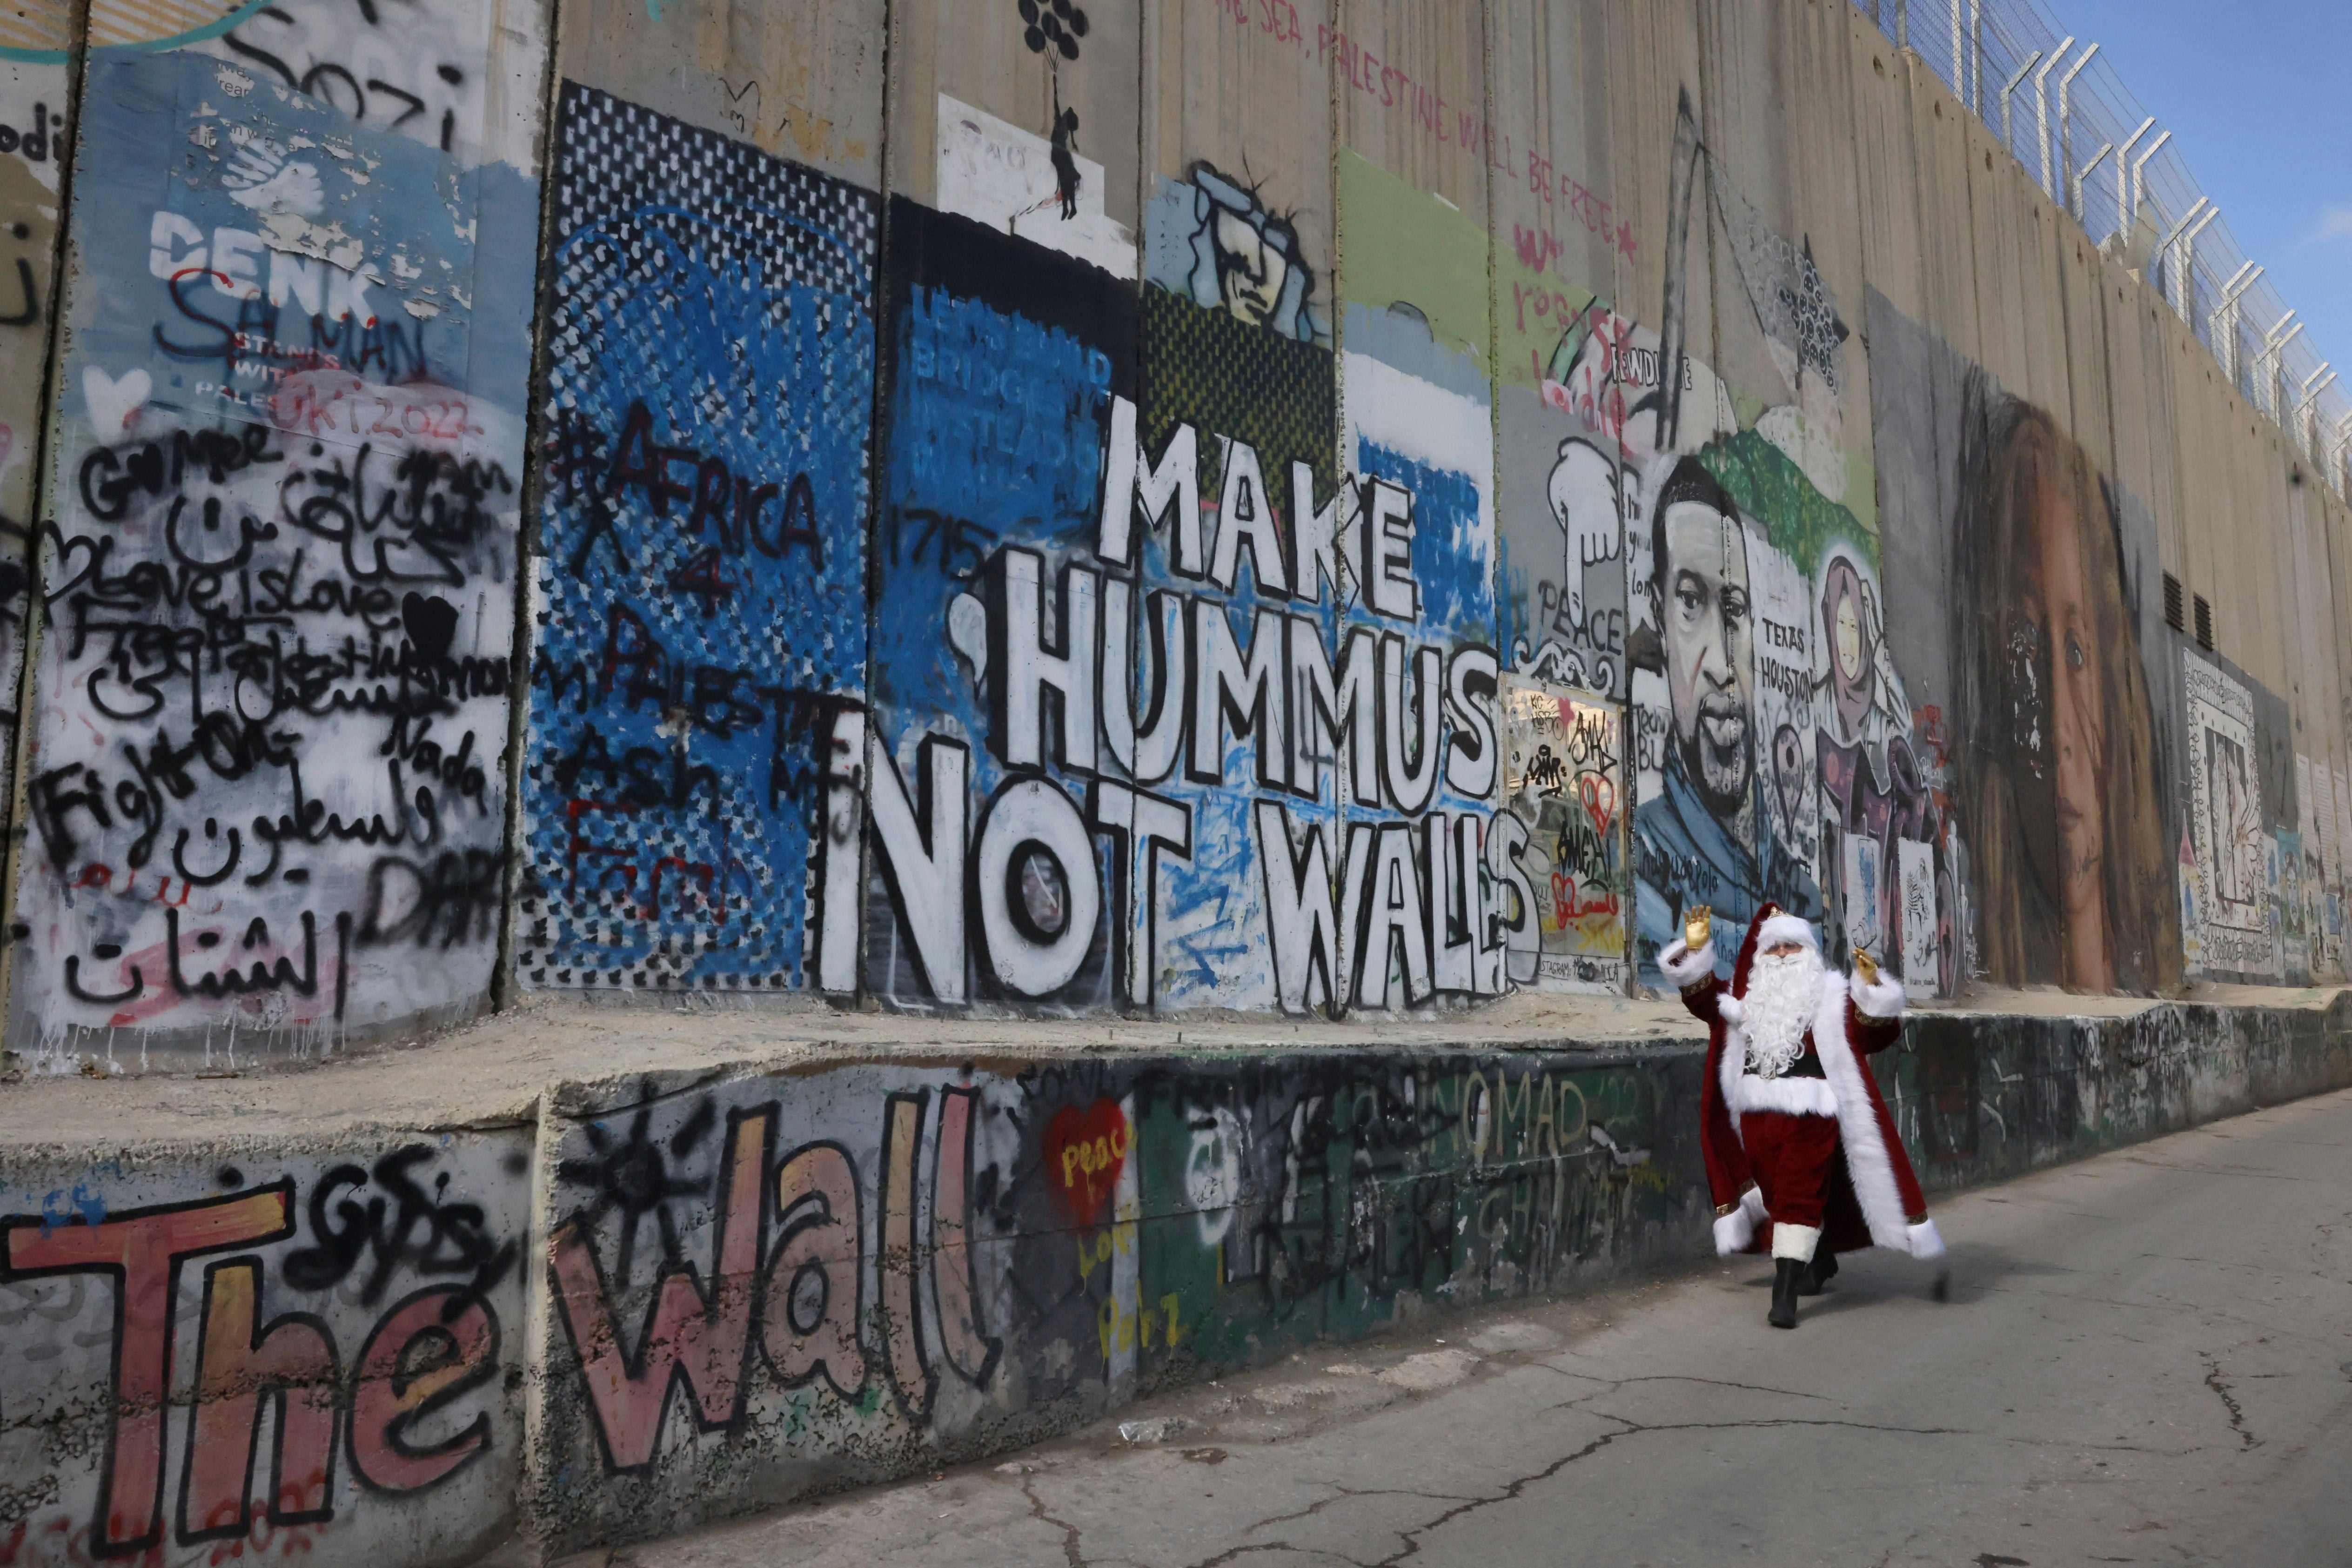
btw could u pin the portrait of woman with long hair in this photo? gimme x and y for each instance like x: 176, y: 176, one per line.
x: 2057, y: 759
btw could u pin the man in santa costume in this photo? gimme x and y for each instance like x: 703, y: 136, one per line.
x: 1801, y: 1155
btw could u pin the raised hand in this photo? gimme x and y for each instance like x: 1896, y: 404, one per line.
x: 1698, y: 924
x: 1865, y: 968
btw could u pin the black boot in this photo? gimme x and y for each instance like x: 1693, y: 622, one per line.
x: 1818, y: 1272
x: 1786, y: 1274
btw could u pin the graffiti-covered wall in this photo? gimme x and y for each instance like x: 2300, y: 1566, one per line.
x: 662, y: 1300
x: 1244, y: 508
x: 701, y: 550
x: 265, y: 1351
x: 777, y: 1286
x: 265, y: 789
x: 1047, y: 511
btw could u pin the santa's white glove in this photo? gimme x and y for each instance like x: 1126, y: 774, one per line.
x: 1682, y: 967
x: 1735, y: 1231
x: 1880, y: 997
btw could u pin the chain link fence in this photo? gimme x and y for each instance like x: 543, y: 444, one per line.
x: 2066, y: 113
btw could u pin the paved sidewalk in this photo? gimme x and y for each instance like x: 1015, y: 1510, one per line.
x: 2143, y: 1357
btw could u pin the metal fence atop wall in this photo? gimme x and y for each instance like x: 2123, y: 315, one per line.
x: 2064, y: 110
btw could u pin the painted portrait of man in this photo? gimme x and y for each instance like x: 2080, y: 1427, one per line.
x: 1234, y: 255
x: 1706, y: 838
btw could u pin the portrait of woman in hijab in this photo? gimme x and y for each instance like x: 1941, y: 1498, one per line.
x: 2057, y: 752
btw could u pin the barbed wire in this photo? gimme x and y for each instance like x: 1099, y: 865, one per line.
x: 2058, y: 103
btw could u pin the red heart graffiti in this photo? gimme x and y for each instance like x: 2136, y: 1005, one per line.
x: 1084, y: 1150
x: 1599, y: 800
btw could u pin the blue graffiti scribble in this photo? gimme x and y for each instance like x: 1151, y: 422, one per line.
x: 1457, y: 595
x: 58, y: 1208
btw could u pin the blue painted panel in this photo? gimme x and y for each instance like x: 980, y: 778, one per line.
x: 701, y: 604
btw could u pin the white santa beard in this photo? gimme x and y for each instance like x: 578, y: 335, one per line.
x: 1783, y: 995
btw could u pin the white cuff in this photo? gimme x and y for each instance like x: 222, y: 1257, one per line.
x: 1797, y: 1241
x: 1752, y: 1200
x: 1925, y: 1240
x: 1884, y: 1000
x: 1678, y: 964
x: 1733, y: 1232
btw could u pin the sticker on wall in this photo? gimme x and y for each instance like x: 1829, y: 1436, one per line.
x: 1212, y: 239
x: 1915, y: 902
x: 1864, y: 885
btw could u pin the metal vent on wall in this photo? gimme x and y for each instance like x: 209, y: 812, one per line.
x: 2173, y: 614
x: 2204, y: 623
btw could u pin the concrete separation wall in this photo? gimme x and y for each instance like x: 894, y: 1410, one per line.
x: 645, y: 1282
x: 1054, y: 668
x: 1063, y: 511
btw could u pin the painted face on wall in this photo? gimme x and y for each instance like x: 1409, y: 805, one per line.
x: 1843, y: 614
x: 1252, y: 266
x: 1709, y: 628
x: 2056, y: 701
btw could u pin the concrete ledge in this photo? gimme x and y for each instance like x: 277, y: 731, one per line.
x: 600, y: 1274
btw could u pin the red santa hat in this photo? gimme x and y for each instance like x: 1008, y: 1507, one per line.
x: 1779, y: 928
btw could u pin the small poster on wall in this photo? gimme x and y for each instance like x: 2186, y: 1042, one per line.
x: 1866, y: 893
x: 1915, y: 870
x: 1564, y: 791
x: 2236, y: 860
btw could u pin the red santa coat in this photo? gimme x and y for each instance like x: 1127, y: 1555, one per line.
x: 1873, y: 1195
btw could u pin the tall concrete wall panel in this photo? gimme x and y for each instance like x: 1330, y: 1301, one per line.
x: 1231, y: 504
x: 265, y: 791
x: 36, y: 98
x: 2132, y: 392
x: 1941, y: 148
x: 800, y: 80
x: 2079, y: 274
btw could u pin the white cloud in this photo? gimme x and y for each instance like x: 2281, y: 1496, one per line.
x: 2334, y: 223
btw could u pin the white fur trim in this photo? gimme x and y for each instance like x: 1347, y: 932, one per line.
x: 1790, y: 1096
x: 1733, y: 1232
x: 1786, y: 928
x: 1867, y: 1160
x: 1797, y: 1241
x: 1731, y: 1009
x: 1925, y: 1241
x: 1733, y: 1065
x: 1884, y: 1000
x: 1745, y: 1092
x: 1684, y: 967
x: 1752, y: 1200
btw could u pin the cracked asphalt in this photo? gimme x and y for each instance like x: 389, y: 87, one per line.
x: 2142, y: 1358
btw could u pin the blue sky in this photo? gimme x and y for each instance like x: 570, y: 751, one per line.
x: 2256, y: 95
